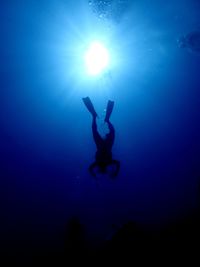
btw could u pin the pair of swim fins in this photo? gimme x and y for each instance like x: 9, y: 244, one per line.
x: 90, y: 107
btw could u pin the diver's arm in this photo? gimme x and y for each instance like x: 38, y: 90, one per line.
x: 117, y: 164
x: 91, y: 169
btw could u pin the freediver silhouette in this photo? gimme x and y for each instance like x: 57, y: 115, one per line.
x: 103, y: 157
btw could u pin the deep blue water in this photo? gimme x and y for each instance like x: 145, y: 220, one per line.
x: 46, y: 141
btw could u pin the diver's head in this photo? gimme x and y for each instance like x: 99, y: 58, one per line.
x: 102, y: 168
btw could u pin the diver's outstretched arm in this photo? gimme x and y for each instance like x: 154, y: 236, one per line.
x: 117, y: 164
x: 91, y: 169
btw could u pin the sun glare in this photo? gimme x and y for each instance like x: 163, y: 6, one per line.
x: 96, y: 58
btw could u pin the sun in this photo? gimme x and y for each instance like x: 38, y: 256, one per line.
x: 96, y: 58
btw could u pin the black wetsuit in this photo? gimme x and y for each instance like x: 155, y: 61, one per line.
x: 104, y: 150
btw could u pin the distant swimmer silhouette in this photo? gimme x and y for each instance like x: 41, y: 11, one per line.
x: 104, y: 146
x: 190, y: 41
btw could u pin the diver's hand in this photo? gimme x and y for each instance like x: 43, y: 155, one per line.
x: 93, y: 174
x: 91, y: 169
x: 117, y: 165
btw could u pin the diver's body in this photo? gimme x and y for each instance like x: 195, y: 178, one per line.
x: 103, y: 157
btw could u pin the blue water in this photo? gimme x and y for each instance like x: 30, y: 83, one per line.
x: 46, y: 141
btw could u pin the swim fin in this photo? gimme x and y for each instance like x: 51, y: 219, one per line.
x: 109, y: 110
x: 89, y: 106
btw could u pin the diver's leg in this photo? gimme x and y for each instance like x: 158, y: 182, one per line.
x: 97, y: 138
x: 110, y: 137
